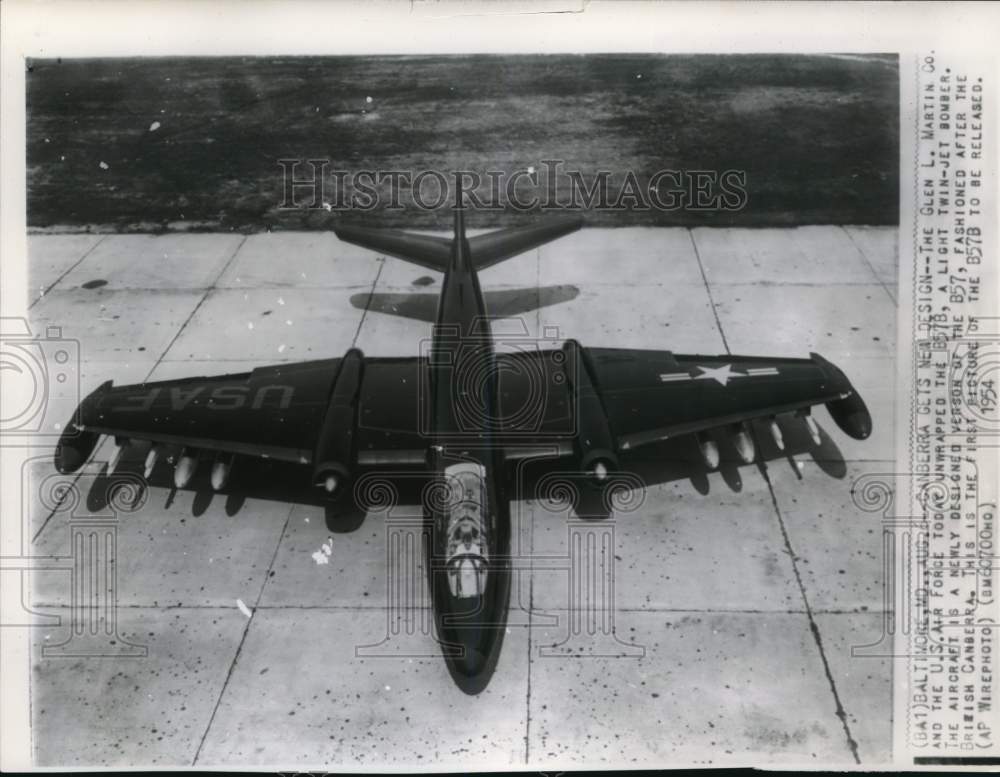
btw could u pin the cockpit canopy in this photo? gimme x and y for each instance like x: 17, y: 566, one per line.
x: 467, y: 549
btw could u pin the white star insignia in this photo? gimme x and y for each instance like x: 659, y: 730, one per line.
x: 722, y: 374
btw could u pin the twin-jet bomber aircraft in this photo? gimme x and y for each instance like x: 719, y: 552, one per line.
x: 460, y: 413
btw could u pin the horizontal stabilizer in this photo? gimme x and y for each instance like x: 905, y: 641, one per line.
x: 435, y: 253
x: 424, y: 250
x: 494, y: 247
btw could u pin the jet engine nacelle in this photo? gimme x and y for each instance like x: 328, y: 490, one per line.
x: 595, y: 444
x: 335, y: 455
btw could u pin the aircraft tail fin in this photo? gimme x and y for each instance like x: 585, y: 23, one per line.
x: 494, y: 247
x: 427, y: 251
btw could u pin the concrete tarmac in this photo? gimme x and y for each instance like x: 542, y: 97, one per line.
x: 738, y: 594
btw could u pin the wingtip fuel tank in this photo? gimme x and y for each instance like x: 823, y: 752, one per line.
x: 852, y: 416
x: 849, y: 412
x: 76, y: 444
x: 73, y: 449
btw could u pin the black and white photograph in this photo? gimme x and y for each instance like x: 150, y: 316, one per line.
x: 457, y: 411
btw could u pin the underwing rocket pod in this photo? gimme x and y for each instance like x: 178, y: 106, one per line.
x: 221, y: 468
x: 187, y: 463
x: 116, y: 458
x: 151, y: 458
x: 709, y: 450
x: 743, y: 443
x: 779, y: 440
x: 813, y: 430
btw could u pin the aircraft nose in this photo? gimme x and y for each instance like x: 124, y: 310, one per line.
x: 474, y: 661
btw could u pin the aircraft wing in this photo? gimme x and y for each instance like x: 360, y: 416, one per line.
x: 336, y: 414
x: 656, y: 395
x: 364, y: 410
x: 273, y: 412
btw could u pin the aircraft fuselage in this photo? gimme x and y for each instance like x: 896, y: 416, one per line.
x: 470, y: 520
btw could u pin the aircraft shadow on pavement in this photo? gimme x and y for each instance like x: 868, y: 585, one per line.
x: 500, y: 303
x: 554, y: 481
